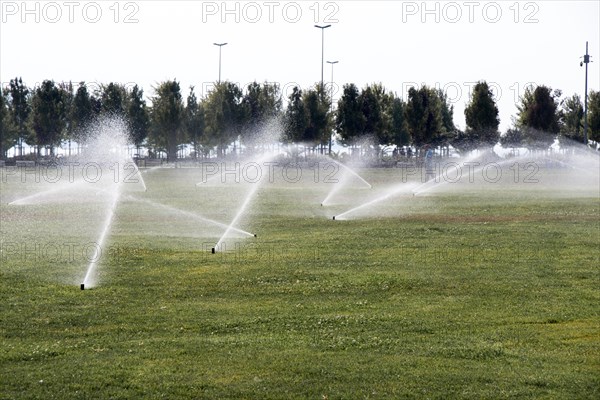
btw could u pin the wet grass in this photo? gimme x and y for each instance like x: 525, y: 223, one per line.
x: 443, y: 296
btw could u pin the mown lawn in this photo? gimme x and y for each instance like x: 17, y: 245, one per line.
x: 445, y: 296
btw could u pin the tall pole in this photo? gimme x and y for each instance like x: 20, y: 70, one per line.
x: 322, y: 89
x: 322, y: 48
x: 220, y: 47
x: 586, y: 61
x: 331, y: 107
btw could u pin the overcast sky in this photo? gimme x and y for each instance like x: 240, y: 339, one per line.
x: 451, y: 45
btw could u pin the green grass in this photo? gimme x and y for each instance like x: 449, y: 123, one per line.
x: 486, y: 295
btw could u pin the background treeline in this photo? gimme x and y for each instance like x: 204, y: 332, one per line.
x: 56, y: 115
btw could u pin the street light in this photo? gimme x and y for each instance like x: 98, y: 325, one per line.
x: 322, y: 48
x: 220, y: 47
x: 586, y: 61
x: 331, y: 89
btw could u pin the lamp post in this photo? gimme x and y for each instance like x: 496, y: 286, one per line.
x: 220, y: 47
x: 322, y: 48
x: 586, y: 61
x: 331, y: 89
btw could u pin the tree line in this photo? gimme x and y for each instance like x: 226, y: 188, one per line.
x: 53, y: 114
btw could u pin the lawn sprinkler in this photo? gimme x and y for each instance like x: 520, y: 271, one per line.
x: 212, y: 250
x: 82, y: 286
x: 334, y: 217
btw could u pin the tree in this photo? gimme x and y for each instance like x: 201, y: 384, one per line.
x: 137, y: 114
x: 8, y: 137
x: 49, y: 114
x: 194, y: 121
x: 571, y: 119
x: 447, y: 111
x: 113, y: 98
x: 424, y: 115
x: 316, y: 106
x: 513, y: 138
x: 481, y: 117
x: 538, y: 116
x: 166, y: 116
x: 375, y: 105
x: 295, y: 116
x: 261, y: 103
x: 349, y: 120
x: 81, y: 112
x: 223, y: 114
x: 20, y: 109
x: 68, y: 98
x: 399, y: 134
x: 594, y: 116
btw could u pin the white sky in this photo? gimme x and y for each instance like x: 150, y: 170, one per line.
x: 397, y: 43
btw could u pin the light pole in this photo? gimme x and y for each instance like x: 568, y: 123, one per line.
x: 586, y: 61
x: 220, y: 47
x: 331, y: 89
x: 322, y: 48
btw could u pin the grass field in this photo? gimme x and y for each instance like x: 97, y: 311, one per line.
x: 477, y: 293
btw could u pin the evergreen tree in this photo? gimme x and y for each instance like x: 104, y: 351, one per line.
x: 349, y: 118
x: 261, y: 103
x: 166, y: 116
x: 223, y: 115
x: 399, y: 129
x: 19, y: 108
x: 113, y: 98
x: 538, y: 117
x: 49, y: 114
x: 481, y: 117
x: 594, y: 116
x: 8, y: 133
x: 513, y: 138
x: 571, y: 119
x: 316, y: 106
x: 137, y: 114
x: 194, y: 121
x: 296, y: 116
x: 424, y: 115
x: 81, y: 112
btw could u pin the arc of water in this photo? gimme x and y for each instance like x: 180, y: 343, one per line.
x: 139, y: 174
x: 336, y: 188
x: 62, y: 187
x: 429, y: 185
x: 351, y: 171
x: 189, y: 214
x: 88, y: 279
x: 247, y: 200
x: 151, y: 169
x: 396, y: 190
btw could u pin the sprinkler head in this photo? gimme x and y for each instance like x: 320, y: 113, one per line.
x: 321, y: 204
x: 255, y: 235
x: 334, y: 217
x: 212, y: 250
x: 82, y: 286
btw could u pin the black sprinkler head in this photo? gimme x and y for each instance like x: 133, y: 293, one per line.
x: 82, y: 286
x: 334, y: 217
x: 212, y: 250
